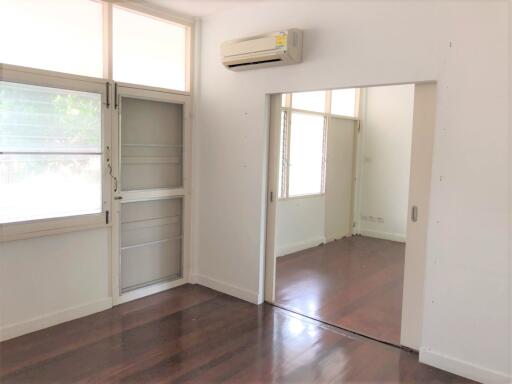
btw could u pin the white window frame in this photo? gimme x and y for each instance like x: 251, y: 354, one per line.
x: 286, y: 111
x: 356, y: 106
x: 148, y: 12
x: 48, y: 226
x: 105, y: 86
x: 156, y: 13
x: 142, y: 9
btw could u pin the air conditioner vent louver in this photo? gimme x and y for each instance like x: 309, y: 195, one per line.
x: 276, y: 48
x: 254, y: 62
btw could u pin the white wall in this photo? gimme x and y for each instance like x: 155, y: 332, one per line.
x: 462, y: 45
x: 385, y: 156
x: 51, y: 279
x: 305, y: 222
x: 300, y: 224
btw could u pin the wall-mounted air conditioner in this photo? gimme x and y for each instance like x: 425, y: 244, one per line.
x: 277, y: 48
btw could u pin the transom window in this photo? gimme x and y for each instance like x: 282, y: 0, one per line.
x: 57, y: 35
x: 70, y: 36
x: 148, y: 50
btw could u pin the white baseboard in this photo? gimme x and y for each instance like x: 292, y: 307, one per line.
x: 383, y: 235
x: 463, y: 368
x: 330, y: 239
x: 299, y: 246
x: 50, y: 319
x: 228, y: 289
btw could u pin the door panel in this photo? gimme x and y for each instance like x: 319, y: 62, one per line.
x: 151, y: 144
x: 149, y: 264
x: 144, y: 231
x: 152, y: 201
x: 424, y: 117
x: 150, y: 173
x: 273, y: 193
x: 150, y: 242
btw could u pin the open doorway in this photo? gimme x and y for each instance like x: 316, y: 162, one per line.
x: 339, y: 228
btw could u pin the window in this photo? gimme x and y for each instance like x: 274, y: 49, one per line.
x: 50, y: 152
x: 303, y: 143
x: 306, y: 161
x: 309, y: 101
x: 343, y: 102
x: 58, y: 35
x: 282, y: 159
x: 54, y: 128
x: 148, y: 51
x: 70, y: 36
x: 302, y: 149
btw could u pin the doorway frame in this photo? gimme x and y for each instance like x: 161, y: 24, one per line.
x: 161, y: 95
x: 413, y: 340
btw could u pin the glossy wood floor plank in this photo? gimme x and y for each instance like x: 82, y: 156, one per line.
x: 196, y: 335
x: 355, y: 283
x: 72, y: 335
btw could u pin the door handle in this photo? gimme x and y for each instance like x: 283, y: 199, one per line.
x: 109, y: 166
x: 108, y: 95
x: 118, y: 197
x: 116, y: 104
x: 414, y: 214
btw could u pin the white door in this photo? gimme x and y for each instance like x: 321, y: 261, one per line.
x: 424, y: 117
x: 151, y: 192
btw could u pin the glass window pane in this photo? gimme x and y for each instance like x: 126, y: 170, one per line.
x: 343, y: 102
x: 57, y: 35
x: 281, y: 155
x: 148, y: 51
x: 43, y: 119
x: 43, y: 186
x: 306, y: 154
x: 309, y: 101
x: 50, y: 140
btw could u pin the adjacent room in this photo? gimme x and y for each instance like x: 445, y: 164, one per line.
x: 255, y: 191
x: 344, y: 166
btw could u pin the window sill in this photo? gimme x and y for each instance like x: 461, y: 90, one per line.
x: 312, y: 196
x: 49, y: 227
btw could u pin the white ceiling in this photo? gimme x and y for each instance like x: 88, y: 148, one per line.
x: 198, y: 8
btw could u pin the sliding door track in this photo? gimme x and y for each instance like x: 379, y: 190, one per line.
x: 344, y: 329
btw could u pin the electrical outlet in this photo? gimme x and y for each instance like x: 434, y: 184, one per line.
x: 372, y: 219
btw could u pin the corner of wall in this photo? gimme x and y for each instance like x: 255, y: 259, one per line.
x: 400, y: 237
x: 299, y: 246
x: 253, y: 297
x: 196, y: 78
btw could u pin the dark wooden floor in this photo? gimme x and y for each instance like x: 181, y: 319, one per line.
x: 355, y: 283
x: 194, y: 334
